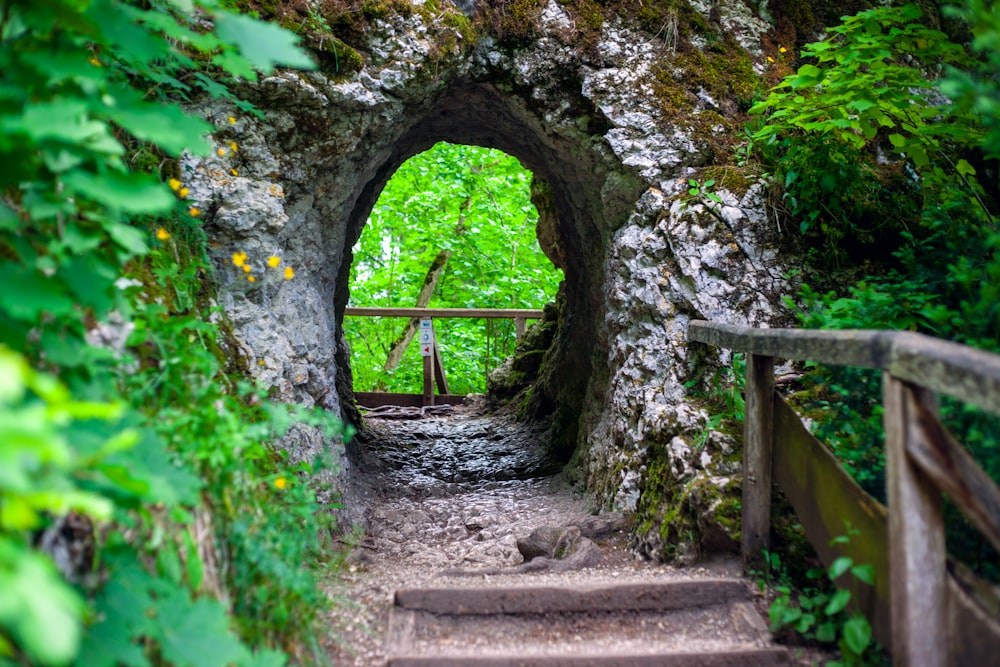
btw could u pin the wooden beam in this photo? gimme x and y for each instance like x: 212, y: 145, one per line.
x: 439, y: 376
x: 916, y: 536
x: 519, y: 328
x: 428, y: 380
x: 947, y: 368
x: 825, y: 497
x: 954, y: 471
x: 377, y: 399
x: 479, y: 313
x: 944, y: 367
x: 758, y: 430
x: 859, y: 348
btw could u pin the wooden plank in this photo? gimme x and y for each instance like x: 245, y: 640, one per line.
x: 757, y: 437
x: 428, y: 380
x: 480, y: 313
x: 916, y: 536
x: 948, y: 368
x: 824, y: 497
x: 955, y: 472
x: 519, y: 328
x: 572, y: 598
x: 439, y: 376
x: 859, y: 348
x: 377, y: 399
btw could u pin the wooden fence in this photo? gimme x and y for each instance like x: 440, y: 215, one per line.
x: 434, y: 371
x: 926, y: 615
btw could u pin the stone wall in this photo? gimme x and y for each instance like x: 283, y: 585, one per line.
x: 614, y: 119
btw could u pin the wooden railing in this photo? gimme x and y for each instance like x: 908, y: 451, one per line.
x: 434, y: 373
x: 919, y: 606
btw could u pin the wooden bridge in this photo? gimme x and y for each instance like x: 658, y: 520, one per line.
x: 434, y: 369
x: 917, y: 607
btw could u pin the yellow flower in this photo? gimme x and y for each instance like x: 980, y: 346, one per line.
x: 174, y: 184
x: 770, y: 59
x: 239, y: 258
x: 194, y: 211
x: 232, y: 121
x: 251, y: 279
x: 273, y: 261
x: 183, y: 192
x: 233, y: 146
x: 782, y: 49
x: 246, y: 268
x: 234, y: 172
x: 221, y: 152
x: 162, y: 234
x: 280, y: 483
x: 289, y: 273
x: 94, y: 61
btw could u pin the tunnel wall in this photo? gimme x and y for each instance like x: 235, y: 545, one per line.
x: 579, y: 107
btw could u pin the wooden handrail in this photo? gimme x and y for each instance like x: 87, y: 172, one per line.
x: 433, y: 364
x: 922, y: 459
x: 944, y: 367
x: 478, y: 313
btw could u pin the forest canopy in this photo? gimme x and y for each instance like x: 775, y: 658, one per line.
x: 465, y: 211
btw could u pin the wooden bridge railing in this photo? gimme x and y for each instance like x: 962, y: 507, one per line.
x: 433, y: 363
x: 923, y: 614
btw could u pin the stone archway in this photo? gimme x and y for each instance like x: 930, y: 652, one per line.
x: 576, y: 226
x: 641, y: 257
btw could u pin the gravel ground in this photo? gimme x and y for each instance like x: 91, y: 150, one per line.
x: 453, y: 493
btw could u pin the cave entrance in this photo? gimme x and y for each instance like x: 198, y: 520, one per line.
x: 454, y: 227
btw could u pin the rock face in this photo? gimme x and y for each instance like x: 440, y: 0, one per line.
x: 613, y: 115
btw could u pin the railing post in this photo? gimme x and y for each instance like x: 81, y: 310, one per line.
x: 917, y: 586
x: 758, y: 433
x: 428, y: 364
x: 519, y: 328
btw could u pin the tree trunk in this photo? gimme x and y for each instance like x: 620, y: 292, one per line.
x: 397, y: 349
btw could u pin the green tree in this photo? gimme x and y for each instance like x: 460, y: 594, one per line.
x: 475, y: 204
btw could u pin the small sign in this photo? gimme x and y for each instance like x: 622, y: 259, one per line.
x: 426, y: 338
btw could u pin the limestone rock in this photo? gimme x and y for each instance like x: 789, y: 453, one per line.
x: 578, y: 106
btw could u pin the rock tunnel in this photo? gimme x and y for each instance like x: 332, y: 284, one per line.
x: 579, y: 108
x: 574, y: 226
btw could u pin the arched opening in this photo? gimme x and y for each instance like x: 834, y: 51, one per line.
x: 584, y: 196
x: 454, y: 228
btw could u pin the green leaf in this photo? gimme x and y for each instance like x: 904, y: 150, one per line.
x: 826, y: 632
x: 35, y: 294
x: 39, y: 609
x: 963, y: 167
x: 865, y: 573
x: 196, y: 634
x: 130, y: 193
x: 167, y: 126
x: 263, y: 44
x: 838, y: 602
x: 129, y: 238
x: 857, y: 634
x: 840, y: 566
x: 897, y: 140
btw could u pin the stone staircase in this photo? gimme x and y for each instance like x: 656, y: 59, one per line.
x: 708, y: 622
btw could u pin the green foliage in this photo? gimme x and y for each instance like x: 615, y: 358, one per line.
x: 703, y: 190
x: 149, y: 437
x: 866, y: 90
x: 724, y: 398
x: 818, y: 612
x: 475, y: 204
x: 977, y: 90
x: 884, y: 169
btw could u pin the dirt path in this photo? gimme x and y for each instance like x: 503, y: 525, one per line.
x: 454, y: 494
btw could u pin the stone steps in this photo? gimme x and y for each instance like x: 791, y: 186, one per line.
x: 707, y: 622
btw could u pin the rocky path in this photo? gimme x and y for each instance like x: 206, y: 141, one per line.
x: 439, y: 577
